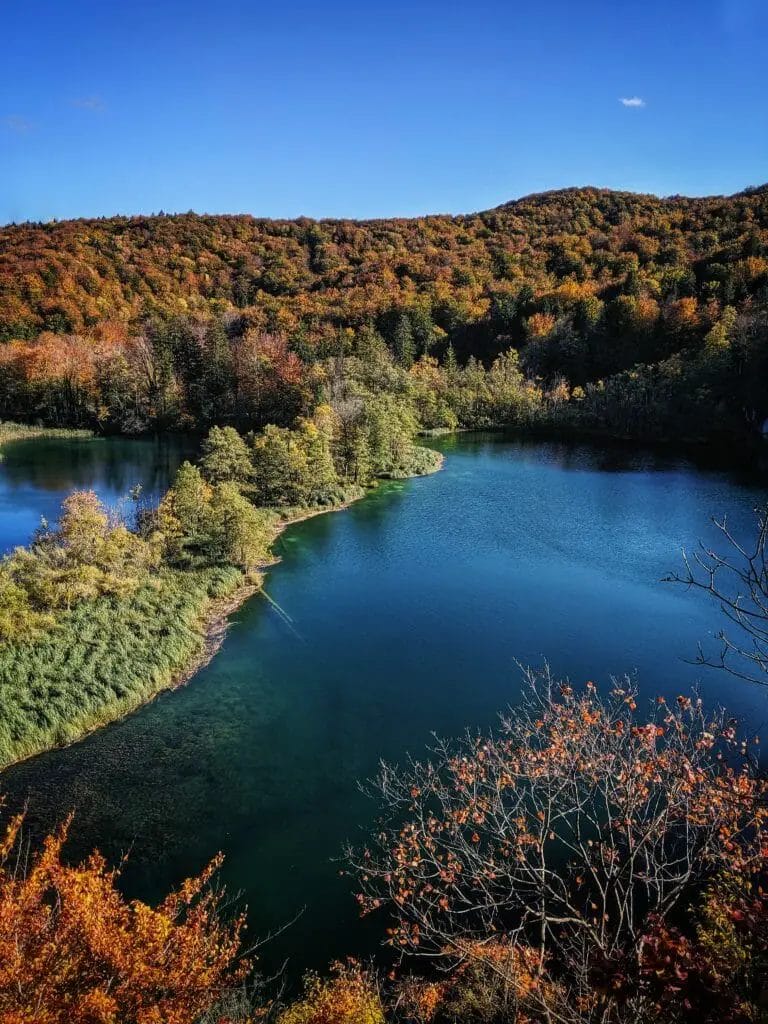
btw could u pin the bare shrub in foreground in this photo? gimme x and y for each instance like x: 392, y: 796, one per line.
x: 544, y: 851
x: 737, y: 579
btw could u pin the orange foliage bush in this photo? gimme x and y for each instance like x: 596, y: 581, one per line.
x: 350, y: 997
x: 538, y: 861
x: 74, y: 951
x: 540, y: 325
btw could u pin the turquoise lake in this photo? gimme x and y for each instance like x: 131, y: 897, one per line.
x: 403, y: 615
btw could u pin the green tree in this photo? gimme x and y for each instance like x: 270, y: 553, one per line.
x: 320, y: 478
x: 218, y: 377
x: 391, y: 426
x: 240, y: 533
x: 279, y: 467
x: 450, y: 363
x: 83, y: 527
x: 370, y: 348
x: 403, y: 342
x: 226, y: 457
x: 183, y: 516
x: 422, y: 329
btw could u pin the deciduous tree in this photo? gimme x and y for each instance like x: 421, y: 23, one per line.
x: 74, y: 951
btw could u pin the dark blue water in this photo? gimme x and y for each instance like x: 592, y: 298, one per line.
x: 405, y: 614
x: 37, y: 474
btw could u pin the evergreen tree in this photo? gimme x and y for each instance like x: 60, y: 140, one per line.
x: 226, y: 457
x: 423, y: 330
x: 218, y: 378
x: 403, y: 342
x: 451, y: 365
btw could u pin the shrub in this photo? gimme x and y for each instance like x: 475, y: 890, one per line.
x: 73, y: 951
x: 349, y: 997
x: 573, y: 832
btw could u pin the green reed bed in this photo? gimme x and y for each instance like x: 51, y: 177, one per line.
x: 104, y: 659
x: 133, y: 629
x: 23, y: 431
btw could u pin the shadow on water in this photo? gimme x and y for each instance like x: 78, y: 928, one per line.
x: 407, y: 614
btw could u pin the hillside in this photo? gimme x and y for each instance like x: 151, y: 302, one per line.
x: 585, y: 283
x: 68, y: 276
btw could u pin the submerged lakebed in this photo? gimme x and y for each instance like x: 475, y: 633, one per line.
x: 402, y: 615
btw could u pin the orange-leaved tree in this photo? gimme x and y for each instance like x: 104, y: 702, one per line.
x: 74, y: 951
x: 563, y: 842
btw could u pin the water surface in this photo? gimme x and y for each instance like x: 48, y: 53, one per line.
x: 404, y: 614
x: 37, y: 474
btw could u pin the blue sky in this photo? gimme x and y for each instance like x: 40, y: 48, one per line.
x: 366, y: 109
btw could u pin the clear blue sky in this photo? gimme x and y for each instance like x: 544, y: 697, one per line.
x: 362, y: 109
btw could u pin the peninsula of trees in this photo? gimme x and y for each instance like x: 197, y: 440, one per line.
x: 100, y: 613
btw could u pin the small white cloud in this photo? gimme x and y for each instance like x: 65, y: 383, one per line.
x: 19, y: 125
x: 632, y: 101
x: 95, y: 103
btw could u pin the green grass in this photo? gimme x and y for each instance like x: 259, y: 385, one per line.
x: 420, y: 461
x: 103, y: 659
x: 345, y: 495
x: 22, y: 431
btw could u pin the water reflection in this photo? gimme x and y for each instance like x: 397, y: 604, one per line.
x: 37, y: 474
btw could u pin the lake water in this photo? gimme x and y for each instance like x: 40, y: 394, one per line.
x: 404, y: 614
x: 37, y: 474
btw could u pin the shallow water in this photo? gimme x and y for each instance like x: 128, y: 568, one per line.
x: 404, y: 614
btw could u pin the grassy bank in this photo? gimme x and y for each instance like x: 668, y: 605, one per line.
x: 105, y: 658
x: 24, y: 432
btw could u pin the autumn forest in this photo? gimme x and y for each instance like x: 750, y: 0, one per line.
x: 624, y: 314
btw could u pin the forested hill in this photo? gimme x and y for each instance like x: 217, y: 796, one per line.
x: 567, y: 247
x: 627, y: 313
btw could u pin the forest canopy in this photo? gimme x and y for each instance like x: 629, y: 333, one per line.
x: 637, y: 315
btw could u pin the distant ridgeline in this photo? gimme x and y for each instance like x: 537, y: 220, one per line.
x: 628, y: 314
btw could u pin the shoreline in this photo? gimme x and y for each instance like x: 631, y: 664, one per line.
x: 217, y: 622
x: 11, y: 432
x: 213, y: 624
